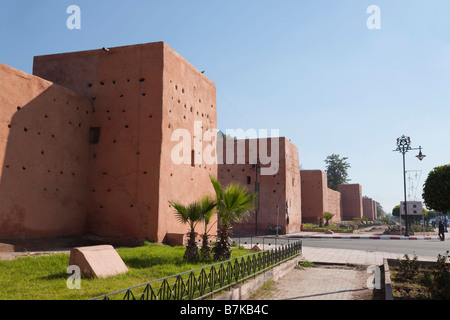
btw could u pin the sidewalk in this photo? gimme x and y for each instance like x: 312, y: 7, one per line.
x: 338, y: 274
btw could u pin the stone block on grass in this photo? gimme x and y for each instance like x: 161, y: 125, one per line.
x: 101, y: 261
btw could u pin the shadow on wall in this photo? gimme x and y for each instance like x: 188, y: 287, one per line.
x: 44, y: 136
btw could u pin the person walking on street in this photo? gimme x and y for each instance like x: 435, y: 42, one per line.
x: 441, y: 231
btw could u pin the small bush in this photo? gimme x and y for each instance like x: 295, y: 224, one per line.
x: 408, y: 267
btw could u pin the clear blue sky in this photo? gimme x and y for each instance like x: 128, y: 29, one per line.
x: 311, y: 69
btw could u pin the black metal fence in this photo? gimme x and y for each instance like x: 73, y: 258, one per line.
x: 205, y: 282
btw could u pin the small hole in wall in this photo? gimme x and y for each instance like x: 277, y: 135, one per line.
x: 141, y: 79
x: 25, y: 129
x: 90, y: 85
x: 131, y: 205
x: 114, y: 82
x: 9, y: 126
x: 102, y: 83
x: 94, y: 135
x: 150, y: 116
x: 24, y: 168
x: 18, y: 108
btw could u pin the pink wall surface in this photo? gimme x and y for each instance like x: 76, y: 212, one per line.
x: 44, y: 129
x: 317, y: 198
x: 279, y: 193
x: 351, y: 195
x: 368, y: 208
x: 141, y: 94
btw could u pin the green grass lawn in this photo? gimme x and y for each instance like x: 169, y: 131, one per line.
x: 45, y: 277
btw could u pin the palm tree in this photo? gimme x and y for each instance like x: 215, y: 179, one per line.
x: 233, y: 205
x: 327, y: 216
x: 192, y: 214
x: 205, y: 251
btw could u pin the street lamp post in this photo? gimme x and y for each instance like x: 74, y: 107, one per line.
x: 403, y: 146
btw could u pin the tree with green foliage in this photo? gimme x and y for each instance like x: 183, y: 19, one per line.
x: 234, y: 204
x: 436, y: 189
x: 192, y: 214
x: 337, y: 171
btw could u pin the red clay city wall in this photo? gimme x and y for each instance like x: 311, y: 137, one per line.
x: 313, y: 195
x: 333, y: 205
x: 140, y: 95
x: 44, y: 129
x: 374, y: 204
x: 368, y: 208
x: 351, y: 195
x: 279, y: 193
x: 317, y: 198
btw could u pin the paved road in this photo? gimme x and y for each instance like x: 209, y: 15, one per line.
x: 428, y: 248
